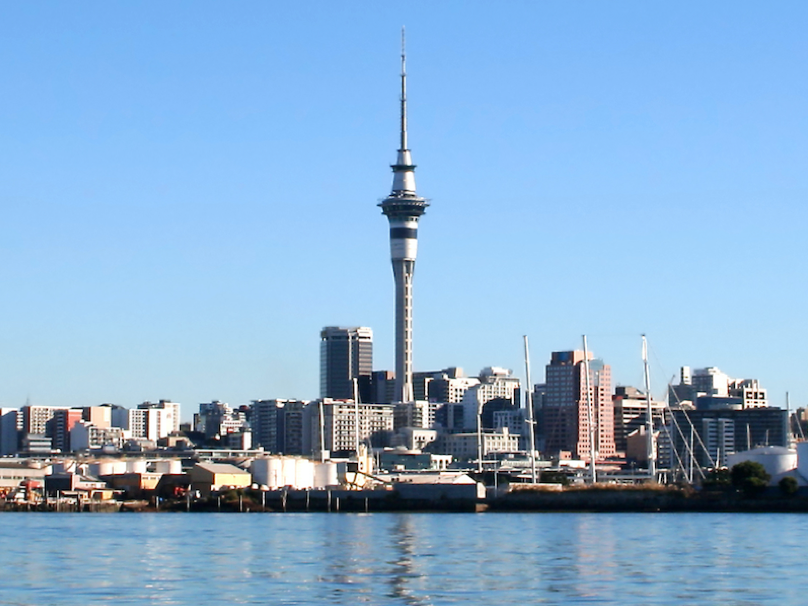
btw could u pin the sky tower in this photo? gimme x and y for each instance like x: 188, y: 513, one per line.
x: 402, y: 208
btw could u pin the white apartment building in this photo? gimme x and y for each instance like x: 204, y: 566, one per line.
x: 153, y: 422
x: 143, y: 423
x: 494, y: 383
x: 170, y: 418
x: 751, y: 393
x: 515, y: 423
x: 35, y: 418
x: 711, y: 382
x: 415, y: 414
x: 457, y: 388
x: 339, y: 420
x: 447, y: 385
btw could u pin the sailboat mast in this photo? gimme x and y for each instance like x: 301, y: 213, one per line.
x: 355, y: 382
x: 530, y: 420
x: 589, y: 415
x: 322, y: 430
x: 649, y: 413
x: 796, y: 420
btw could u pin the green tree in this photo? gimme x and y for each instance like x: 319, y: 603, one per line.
x: 717, y: 478
x: 750, y: 477
x: 554, y: 477
x: 789, y: 486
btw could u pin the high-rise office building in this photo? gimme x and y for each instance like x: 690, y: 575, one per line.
x: 9, y: 436
x: 566, y: 406
x: 712, y: 435
x: 403, y: 207
x: 346, y: 354
x: 62, y: 424
x: 280, y: 426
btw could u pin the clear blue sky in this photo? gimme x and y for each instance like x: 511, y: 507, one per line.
x: 188, y: 190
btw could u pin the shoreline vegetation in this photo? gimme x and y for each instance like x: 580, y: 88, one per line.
x: 605, y: 498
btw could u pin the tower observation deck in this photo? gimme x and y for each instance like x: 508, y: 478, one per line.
x: 403, y: 207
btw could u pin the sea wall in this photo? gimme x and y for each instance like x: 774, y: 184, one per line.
x: 608, y: 498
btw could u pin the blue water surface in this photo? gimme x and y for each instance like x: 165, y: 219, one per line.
x: 418, y: 559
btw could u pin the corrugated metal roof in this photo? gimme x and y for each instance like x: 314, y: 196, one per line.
x: 221, y: 468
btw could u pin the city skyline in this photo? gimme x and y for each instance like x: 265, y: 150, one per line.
x: 189, y: 196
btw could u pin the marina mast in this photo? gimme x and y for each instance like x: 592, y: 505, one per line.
x: 531, y: 422
x: 649, y: 414
x: 589, y: 415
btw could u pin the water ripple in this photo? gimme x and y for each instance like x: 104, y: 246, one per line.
x: 408, y: 559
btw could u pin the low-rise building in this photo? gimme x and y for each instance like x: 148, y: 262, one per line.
x: 210, y: 478
x: 631, y: 412
x: 394, y: 459
x: 463, y: 446
x: 14, y: 472
x: 88, y: 487
x: 86, y: 436
x: 414, y: 438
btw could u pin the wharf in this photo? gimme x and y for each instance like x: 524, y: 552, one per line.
x: 434, y: 498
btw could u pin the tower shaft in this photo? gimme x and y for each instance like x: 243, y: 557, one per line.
x: 403, y: 207
x: 403, y: 270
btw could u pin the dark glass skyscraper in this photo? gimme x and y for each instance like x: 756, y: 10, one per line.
x: 345, y: 354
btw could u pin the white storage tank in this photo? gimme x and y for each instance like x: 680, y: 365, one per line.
x: 268, y: 471
x: 275, y: 473
x: 325, y: 475
x: 168, y: 466
x: 802, y: 458
x: 260, y: 471
x: 304, y: 474
x: 289, y: 469
x: 136, y: 466
x: 775, y: 459
x: 106, y: 467
x: 278, y: 471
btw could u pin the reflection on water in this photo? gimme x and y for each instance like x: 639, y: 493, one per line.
x: 411, y: 559
x: 404, y: 571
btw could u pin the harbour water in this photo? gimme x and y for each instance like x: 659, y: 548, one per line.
x: 414, y: 559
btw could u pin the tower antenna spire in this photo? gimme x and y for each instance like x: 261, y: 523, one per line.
x: 403, y: 207
x: 403, y: 90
